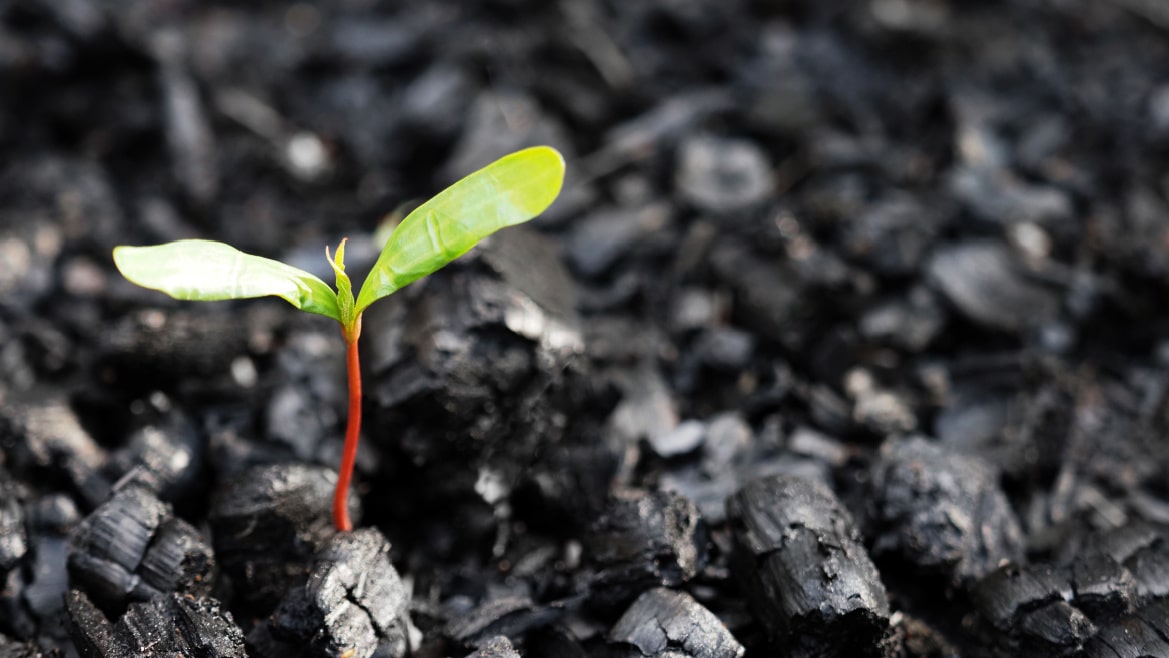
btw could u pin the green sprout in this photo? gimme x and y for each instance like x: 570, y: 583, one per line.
x: 507, y: 192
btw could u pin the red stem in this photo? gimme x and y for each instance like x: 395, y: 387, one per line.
x: 352, y: 433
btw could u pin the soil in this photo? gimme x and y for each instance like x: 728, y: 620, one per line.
x: 844, y: 338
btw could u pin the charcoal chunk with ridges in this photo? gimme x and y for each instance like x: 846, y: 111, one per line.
x: 1143, y: 634
x: 663, y: 623
x: 353, y: 604
x: 169, y: 625
x: 133, y: 548
x: 940, y: 511
x: 477, y: 369
x: 268, y: 523
x: 645, y: 539
x: 809, y: 581
x: 166, y: 456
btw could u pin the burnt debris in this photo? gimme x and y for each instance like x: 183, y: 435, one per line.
x: 172, y: 624
x: 133, y: 548
x: 645, y: 539
x: 663, y: 622
x: 799, y: 557
x: 268, y: 523
x: 353, y: 604
x: 941, y: 512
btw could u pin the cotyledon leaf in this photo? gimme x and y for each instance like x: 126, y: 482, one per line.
x: 205, y: 270
x: 509, y: 191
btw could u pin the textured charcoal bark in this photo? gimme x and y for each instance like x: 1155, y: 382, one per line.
x: 663, y: 623
x: 645, y: 539
x: 268, y: 523
x: 1091, y: 593
x: 481, y: 374
x: 156, y: 348
x: 512, y: 616
x: 799, y: 557
x: 941, y: 512
x: 1139, y: 635
x: 169, y: 625
x: 353, y: 604
x: 133, y: 548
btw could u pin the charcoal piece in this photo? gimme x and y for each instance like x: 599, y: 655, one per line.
x: 170, y: 625
x: 722, y: 175
x: 1012, y: 589
x: 501, y: 122
x: 496, y: 647
x: 986, y: 283
x: 512, y: 616
x: 267, y: 524
x: 13, y: 540
x: 42, y: 438
x: 133, y: 549
x: 154, y: 348
x: 910, y: 324
x: 478, y: 367
x: 683, y: 439
x: 724, y: 348
x: 1103, y: 588
x: 941, y: 511
x: 808, y: 579
x: 647, y: 411
x: 645, y: 539
x: 1143, y: 634
x: 188, y: 131
x: 167, y: 457
x: 50, y: 520
x: 602, y: 238
x: 892, y: 235
x: 662, y: 622
x: 776, y: 310
x: 1056, y: 627
x: 997, y: 195
x: 353, y: 604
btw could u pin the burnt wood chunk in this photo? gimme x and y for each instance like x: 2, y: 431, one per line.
x: 808, y: 578
x: 508, y: 615
x: 353, y: 604
x: 942, y: 512
x: 42, y: 437
x: 663, y: 623
x: 170, y: 625
x: 645, y: 539
x: 496, y: 647
x: 268, y: 523
x: 477, y: 366
x: 133, y: 548
x: 167, y: 456
x: 1143, y: 634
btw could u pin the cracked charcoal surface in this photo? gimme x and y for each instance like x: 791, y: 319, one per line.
x: 169, y: 625
x: 133, y: 548
x: 645, y: 539
x: 663, y: 622
x: 798, y: 555
x: 1080, y: 601
x: 268, y: 523
x: 941, y: 511
x: 354, y: 603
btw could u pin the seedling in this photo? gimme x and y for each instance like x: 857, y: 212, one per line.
x: 507, y: 192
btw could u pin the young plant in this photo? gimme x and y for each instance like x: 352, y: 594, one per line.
x: 509, y: 191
